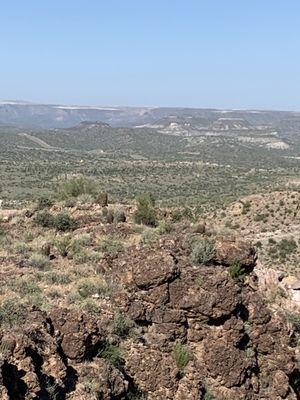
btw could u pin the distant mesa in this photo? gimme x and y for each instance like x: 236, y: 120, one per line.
x: 229, y: 124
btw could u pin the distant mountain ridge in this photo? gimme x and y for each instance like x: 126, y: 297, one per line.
x: 30, y: 115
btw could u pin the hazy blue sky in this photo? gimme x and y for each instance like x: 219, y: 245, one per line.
x: 200, y: 53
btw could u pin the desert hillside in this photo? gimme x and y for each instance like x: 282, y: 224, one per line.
x: 132, y: 301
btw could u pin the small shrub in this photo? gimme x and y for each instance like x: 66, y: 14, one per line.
x: 38, y: 300
x: 208, y: 395
x: 21, y: 247
x: 246, y: 207
x: 111, y: 245
x: 237, y: 271
x: 176, y: 216
x: 136, y: 394
x: 79, y: 241
x: 111, y: 353
x: 86, y: 255
x: 145, y: 213
x: 122, y: 324
x: 294, y: 319
x: 52, y: 389
x: 201, y: 250
x: 70, y: 202
x: 44, y: 202
x: 85, y: 199
x: 181, y: 355
x: 260, y: 217
x: 56, y: 278
x: 62, y: 245
x: 90, y: 306
x: 89, y: 287
x: 286, y: 247
x: 63, y: 222
x: 102, y: 199
x: 38, y: 261
x: 26, y: 287
x: 12, y: 312
x: 44, y: 219
x: 163, y: 228
x: 76, y: 186
x: 149, y: 236
x: 185, y: 213
x: 92, y: 386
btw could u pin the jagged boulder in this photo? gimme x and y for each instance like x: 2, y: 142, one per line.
x: 214, y: 295
x: 79, y: 334
x: 231, y: 250
x: 99, y: 379
x: 152, y: 269
x: 153, y: 371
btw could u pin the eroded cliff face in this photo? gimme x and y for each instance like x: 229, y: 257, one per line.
x: 232, y: 346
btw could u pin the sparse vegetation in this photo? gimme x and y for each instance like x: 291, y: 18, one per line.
x: 122, y: 324
x: 237, y: 271
x: 38, y: 261
x: 12, y: 312
x: 201, y: 249
x: 44, y: 219
x: 111, y: 353
x: 76, y: 186
x: 63, y: 222
x: 145, y: 213
x: 111, y: 245
x: 181, y: 356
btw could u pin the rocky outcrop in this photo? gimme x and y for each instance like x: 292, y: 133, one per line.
x: 229, y: 345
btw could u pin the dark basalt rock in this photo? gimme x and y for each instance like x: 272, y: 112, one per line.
x: 236, y: 347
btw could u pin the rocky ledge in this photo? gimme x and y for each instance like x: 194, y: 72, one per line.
x: 171, y: 329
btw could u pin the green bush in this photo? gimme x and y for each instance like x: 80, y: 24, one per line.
x: 63, y: 222
x: 237, y: 271
x: 201, y: 249
x: 294, y: 319
x: 163, y: 228
x: 77, y: 186
x: 21, y: 247
x: 111, y: 245
x: 149, y: 236
x: 44, y: 219
x: 282, y: 249
x: 246, y: 206
x: 181, y: 355
x: 57, y: 278
x: 12, y: 312
x: 111, y: 353
x: 38, y: 261
x: 260, y: 217
x: 102, y: 199
x: 88, y: 288
x: 145, y: 213
x: 122, y: 324
x: 44, y: 202
x: 208, y: 396
x: 185, y: 213
x: 26, y: 287
x: 62, y: 245
x: 287, y: 246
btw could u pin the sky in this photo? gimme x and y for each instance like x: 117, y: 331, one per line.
x: 188, y: 53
